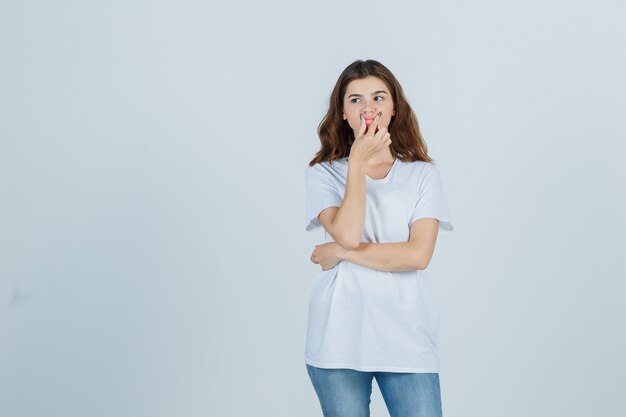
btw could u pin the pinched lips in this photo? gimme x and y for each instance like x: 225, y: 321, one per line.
x: 368, y: 122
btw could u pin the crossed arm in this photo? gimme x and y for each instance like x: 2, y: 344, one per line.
x: 414, y: 254
x: 345, y: 224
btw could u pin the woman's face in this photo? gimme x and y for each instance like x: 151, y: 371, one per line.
x: 367, y: 96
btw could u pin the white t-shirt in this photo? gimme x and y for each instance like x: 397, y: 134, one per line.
x: 365, y: 319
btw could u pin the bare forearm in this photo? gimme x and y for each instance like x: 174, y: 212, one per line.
x: 350, y: 218
x: 393, y: 257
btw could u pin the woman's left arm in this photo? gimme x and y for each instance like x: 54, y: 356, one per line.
x: 393, y: 257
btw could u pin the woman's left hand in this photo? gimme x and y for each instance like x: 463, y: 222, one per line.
x: 327, y: 255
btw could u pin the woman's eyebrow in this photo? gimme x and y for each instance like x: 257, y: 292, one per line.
x: 374, y: 93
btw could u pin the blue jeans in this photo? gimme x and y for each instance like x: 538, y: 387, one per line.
x: 346, y: 392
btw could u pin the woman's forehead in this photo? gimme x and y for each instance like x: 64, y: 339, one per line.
x: 367, y: 85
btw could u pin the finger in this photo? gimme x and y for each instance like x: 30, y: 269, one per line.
x: 382, y: 132
x: 362, y: 126
x: 376, y: 121
x: 385, y: 139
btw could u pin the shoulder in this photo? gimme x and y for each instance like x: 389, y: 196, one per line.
x: 316, y: 170
x: 325, y: 168
x: 420, y: 168
x: 418, y: 174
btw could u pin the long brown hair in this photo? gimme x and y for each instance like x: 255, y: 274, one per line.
x: 337, y: 136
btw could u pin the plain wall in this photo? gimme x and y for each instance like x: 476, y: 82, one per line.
x: 153, y: 257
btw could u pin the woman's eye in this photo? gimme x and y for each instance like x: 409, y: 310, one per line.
x: 354, y: 99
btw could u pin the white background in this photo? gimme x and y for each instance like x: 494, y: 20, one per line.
x: 153, y: 258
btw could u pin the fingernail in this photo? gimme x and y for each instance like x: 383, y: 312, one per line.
x: 380, y: 113
x: 361, y: 116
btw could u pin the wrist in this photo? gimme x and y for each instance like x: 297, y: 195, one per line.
x: 356, y: 164
x: 343, y: 254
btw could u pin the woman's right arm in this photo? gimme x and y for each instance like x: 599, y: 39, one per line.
x: 345, y: 224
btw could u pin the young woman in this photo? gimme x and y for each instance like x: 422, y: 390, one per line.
x: 379, y: 198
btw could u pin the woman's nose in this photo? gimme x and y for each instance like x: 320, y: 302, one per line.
x: 368, y: 109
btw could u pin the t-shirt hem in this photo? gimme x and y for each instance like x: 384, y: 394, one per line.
x: 369, y: 368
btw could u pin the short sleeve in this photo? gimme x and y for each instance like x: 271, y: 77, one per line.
x: 432, y: 201
x: 320, y: 193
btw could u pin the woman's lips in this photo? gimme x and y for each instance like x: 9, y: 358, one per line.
x: 368, y: 122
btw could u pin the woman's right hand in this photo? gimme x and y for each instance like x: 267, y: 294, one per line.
x: 368, y: 144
